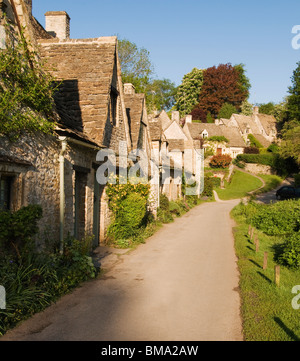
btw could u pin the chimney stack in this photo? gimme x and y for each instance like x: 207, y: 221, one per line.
x: 188, y: 119
x: 176, y: 116
x: 256, y: 110
x: 129, y: 89
x: 58, y: 24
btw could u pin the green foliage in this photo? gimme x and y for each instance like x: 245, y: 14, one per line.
x: 266, y: 310
x: 281, y: 219
x: 243, y: 80
x: 208, y: 187
x: 264, y: 159
x: 187, y: 95
x: 26, y: 91
x: 254, y: 142
x: 278, y: 219
x: 41, y: 279
x: 247, y: 108
x: 240, y: 185
x: 268, y: 108
x: 118, y: 192
x: 273, y: 148
x: 160, y: 95
x: 290, y: 146
x: 293, y: 103
x: 227, y: 110
x: 220, y: 161
x: 138, y: 70
x: 218, y: 138
x: 209, y: 118
x: 18, y: 228
x: 129, y: 217
x: 290, y: 251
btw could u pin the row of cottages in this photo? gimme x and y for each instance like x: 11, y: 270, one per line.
x: 178, y: 154
x: 235, y: 130
x: 261, y: 126
x: 205, y: 131
x: 59, y: 171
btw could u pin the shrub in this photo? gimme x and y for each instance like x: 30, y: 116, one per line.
x: 278, y: 219
x: 254, y: 142
x: 208, y: 187
x: 273, y: 148
x: 164, y: 203
x: 129, y: 217
x: 18, y: 228
x: 290, y: 252
x: 264, y: 159
x: 251, y: 150
x: 41, y: 279
x: 220, y: 161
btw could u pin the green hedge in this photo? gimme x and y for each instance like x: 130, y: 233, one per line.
x: 264, y: 159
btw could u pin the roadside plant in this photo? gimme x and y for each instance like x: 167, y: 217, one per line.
x: 26, y: 90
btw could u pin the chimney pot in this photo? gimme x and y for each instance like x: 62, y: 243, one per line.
x: 58, y: 24
x: 129, y: 89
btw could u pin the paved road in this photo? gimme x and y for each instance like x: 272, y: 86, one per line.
x: 182, y: 285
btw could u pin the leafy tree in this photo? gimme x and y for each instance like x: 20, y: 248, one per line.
x: 199, y: 113
x: 221, y: 85
x: 187, y: 95
x: 160, y: 94
x: 293, y: 104
x: 136, y: 65
x: 290, y: 145
x: 227, y: 110
x: 268, y: 108
x: 244, y: 82
x: 138, y: 70
x: 247, y: 108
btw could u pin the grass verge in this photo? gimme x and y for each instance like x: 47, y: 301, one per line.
x: 266, y: 309
x: 241, y: 184
x: 272, y: 182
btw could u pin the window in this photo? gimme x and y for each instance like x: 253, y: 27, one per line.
x: 5, y: 192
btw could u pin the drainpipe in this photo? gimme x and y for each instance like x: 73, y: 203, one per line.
x: 62, y: 191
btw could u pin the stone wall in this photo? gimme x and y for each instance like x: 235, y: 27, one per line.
x: 259, y: 169
x: 33, y: 162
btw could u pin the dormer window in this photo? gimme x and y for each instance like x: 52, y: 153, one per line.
x: 204, y: 135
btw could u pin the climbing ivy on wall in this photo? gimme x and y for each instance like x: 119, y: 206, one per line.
x: 26, y: 90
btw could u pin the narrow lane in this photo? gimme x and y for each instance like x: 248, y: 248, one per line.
x: 182, y: 285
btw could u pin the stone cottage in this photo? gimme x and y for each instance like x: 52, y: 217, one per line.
x: 178, y: 154
x: 261, y: 126
x: 234, y: 145
x: 58, y: 171
x: 140, y: 140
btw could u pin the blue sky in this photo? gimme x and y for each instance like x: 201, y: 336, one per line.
x: 183, y: 34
